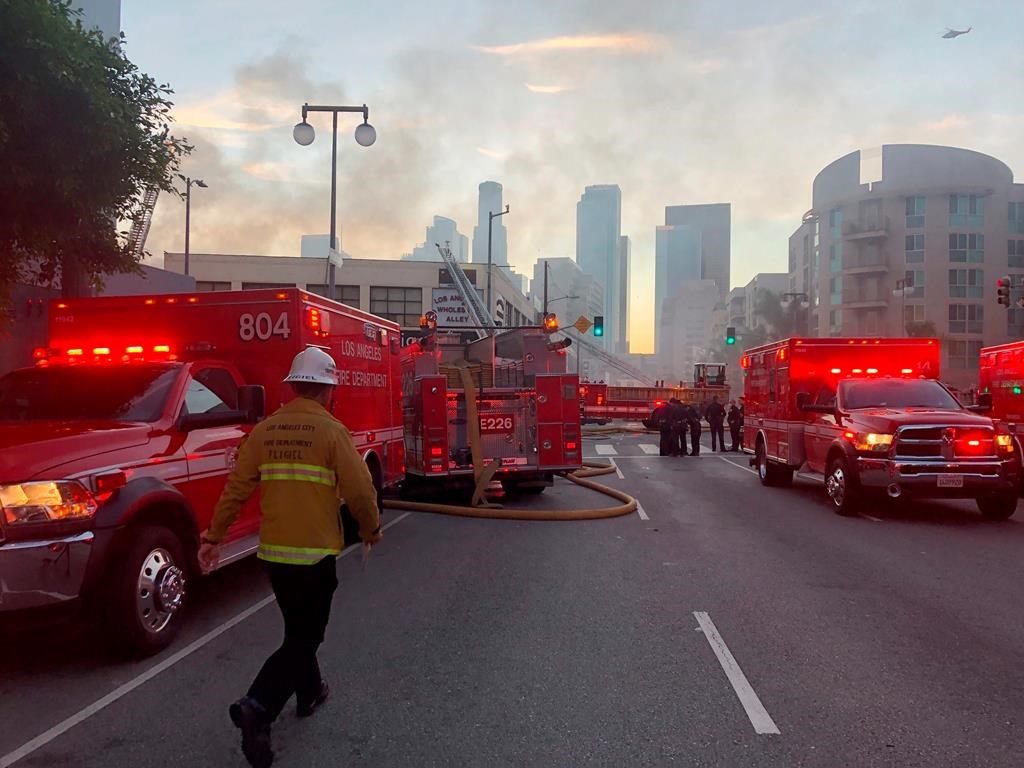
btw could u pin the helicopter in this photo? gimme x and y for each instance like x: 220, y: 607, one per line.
x: 951, y: 33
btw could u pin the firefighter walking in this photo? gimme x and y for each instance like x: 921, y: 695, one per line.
x: 302, y: 459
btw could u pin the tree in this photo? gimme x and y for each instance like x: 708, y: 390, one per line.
x: 82, y: 133
x: 922, y: 329
x: 779, y: 321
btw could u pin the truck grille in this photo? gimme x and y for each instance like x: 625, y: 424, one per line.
x: 942, y: 443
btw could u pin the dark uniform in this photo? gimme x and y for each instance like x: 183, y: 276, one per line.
x: 716, y: 420
x: 677, y: 413
x: 661, y: 420
x: 735, y: 419
x: 693, y: 419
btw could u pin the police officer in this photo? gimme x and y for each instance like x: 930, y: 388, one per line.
x: 302, y: 460
x: 677, y: 413
x: 735, y: 419
x: 693, y: 419
x: 661, y: 421
x: 716, y: 420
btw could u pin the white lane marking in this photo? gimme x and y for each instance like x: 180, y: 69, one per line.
x: 605, y: 450
x: 649, y: 448
x: 102, y: 703
x: 738, y: 466
x: 755, y: 710
x: 872, y: 518
x: 618, y: 471
x: 640, y: 511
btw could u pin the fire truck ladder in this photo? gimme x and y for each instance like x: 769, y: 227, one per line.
x: 140, y: 226
x: 477, y: 309
x: 615, y: 362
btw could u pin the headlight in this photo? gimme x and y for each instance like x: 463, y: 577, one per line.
x: 44, y: 502
x: 872, y: 441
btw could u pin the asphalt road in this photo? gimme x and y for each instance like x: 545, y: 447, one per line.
x: 887, y: 640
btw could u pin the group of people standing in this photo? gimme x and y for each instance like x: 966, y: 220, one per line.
x: 675, y: 419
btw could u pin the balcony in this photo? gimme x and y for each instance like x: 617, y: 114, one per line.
x: 860, y: 263
x: 872, y: 228
x: 859, y: 298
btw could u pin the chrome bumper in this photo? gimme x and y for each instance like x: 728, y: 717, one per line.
x: 40, y: 573
x: 921, y: 478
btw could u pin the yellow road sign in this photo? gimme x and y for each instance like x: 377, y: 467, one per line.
x: 582, y: 324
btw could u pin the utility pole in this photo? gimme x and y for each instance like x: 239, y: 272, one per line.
x: 491, y: 216
x: 545, y: 288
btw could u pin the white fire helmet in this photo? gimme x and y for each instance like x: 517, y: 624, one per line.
x: 315, y: 366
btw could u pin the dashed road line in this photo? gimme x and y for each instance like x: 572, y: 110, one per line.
x: 640, y: 510
x: 618, y: 472
x: 121, y: 691
x: 605, y: 450
x: 759, y: 717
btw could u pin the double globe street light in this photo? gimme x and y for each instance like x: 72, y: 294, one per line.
x: 304, y: 135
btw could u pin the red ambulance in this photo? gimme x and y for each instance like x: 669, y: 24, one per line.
x: 527, y: 408
x: 870, y: 415
x: 115, y: 446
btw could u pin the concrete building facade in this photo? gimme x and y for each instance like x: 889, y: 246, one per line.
x: 714, y: 222
x: 677, y: 259
x: 598, y: 250
x: 622, y: 295
x: 916, y: 249
x: 774, y: 282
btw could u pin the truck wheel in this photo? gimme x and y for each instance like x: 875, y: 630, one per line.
x: 842, y: 487
x: 998, y: 506
x: 773, y: 475
x: 148, y: 592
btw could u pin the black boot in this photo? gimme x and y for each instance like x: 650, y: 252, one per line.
x: 251, y: 718
x: 305, y: 709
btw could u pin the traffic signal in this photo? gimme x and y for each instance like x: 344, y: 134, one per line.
x: 730, y: 336
x: 1016, y: 390
x: 599, y: 325
x: 1003, y: 291
x: 550, y: 322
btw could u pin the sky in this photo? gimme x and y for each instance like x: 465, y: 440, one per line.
x: 676, y: 101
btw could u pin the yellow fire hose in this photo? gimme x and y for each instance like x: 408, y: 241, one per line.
x: 484, y: 473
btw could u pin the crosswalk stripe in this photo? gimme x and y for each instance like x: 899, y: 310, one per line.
x: 649, y: 448
x: 605, y: 450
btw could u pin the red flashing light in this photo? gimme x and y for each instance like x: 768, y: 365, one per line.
x: 74, y: 353
x: 570, y: 446
x: 849, y: 435
x: 974, y: 443
x: 101, y: 350
x: 111, y: 482
x: 781, y: 355
x: 906, y: 370
x: 657, y: 403
x: 62, y: 305
x: 39, y: 353
x: 172, y: 300
x: 161, y: 348
x: 280, y: 295
x: 150, y: 301
x: 435, y: 451
x: 744, y: 362
x: 837, y: 370
x: 857, y: 370
x: 134, y: 350
x: 192, y: 299
x: 313, y: 319
x: 872, y: 370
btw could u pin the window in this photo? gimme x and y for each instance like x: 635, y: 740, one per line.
x: 966, y: 211
x: 913, y: 313
x: 212, y: 390
x: 1017, y: 217
x: 966, y: 283
x: 913, y: 248
x: 965, y: 318
x: 401, y: 305
x: 835, y: 289
x: 835, y: 222
x: 1015, y: 253
x: 1015, y: 323
x: 968, y: 248
x: 835, y: 322
x: 963, y: 354
x: 346, y: 294
x: 913, y: 284
x: 835, y: 257
x: 915, y: 212
x: 212, y: 285
x: 259, y: 286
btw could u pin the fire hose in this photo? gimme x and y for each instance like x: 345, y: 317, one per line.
x: 483, y: 473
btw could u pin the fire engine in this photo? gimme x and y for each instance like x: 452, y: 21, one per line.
x: 1001, y: 382
x: 870, y: 414
x: 601, y: 403
x: 508, y: 392
x: 116, y: 445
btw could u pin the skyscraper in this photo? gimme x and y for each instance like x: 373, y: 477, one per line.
x: 677, y: 258
x: 622, y: 304
x: 598, y: 249
x: 714, y: 222
x: 443, y: 230
x: 490, y: 202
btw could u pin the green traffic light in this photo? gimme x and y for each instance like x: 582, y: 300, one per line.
x: 730, y: 340
x: 599, y: 325
x: 1016, y: 390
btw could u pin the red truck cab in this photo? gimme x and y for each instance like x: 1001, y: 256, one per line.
x: 115, y: 446
x: 870, y: 414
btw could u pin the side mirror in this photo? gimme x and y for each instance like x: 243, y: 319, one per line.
x: 252, y: 402
x: 984, y: 404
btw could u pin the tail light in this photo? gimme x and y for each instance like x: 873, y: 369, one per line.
x: 435, y: 451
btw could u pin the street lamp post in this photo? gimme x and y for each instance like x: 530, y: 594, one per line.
x: 901, y: 289
x: 304, y: 134
x: 491, y: 216
x: 188, y: 211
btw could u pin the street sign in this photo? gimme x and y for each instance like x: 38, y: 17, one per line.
x: 582, y: 324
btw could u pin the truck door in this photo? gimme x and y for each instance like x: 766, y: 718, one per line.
x: 211, y: 451
x: 821, y: 429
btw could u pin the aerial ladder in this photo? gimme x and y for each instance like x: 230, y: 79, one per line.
x: 477, y: 309
x: 614, y: 361
x: 140, y: 226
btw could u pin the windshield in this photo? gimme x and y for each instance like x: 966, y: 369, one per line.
x: 896, y: 393
x: 114, y: 393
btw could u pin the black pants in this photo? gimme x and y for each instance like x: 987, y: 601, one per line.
x: 717, y: 436
x: 679, y: 439
x: 694, y: 439
x: 666, y: 442
x: 304, y: 594
x: 734, y: 433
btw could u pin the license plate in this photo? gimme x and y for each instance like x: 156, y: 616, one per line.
x: 497, y: 424
x: 951, y: 481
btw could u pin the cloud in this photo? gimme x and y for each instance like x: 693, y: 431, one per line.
x: 952, y: 121
x: 494, y: 154
x: 638, y: 42
x: 546, y: 88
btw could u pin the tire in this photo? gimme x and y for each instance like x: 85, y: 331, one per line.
x: 148, y: 592
x: 842, y: 487
x: 770, y: 474
x: 997, y: 506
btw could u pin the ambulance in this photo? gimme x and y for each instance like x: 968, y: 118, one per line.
x: 870, y: 415
x: 116, y: 444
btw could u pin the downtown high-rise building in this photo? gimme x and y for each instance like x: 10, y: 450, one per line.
x: 677, y: 260
x: 490, y: 202
x: 443, y: 231
x: 599, y: 253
